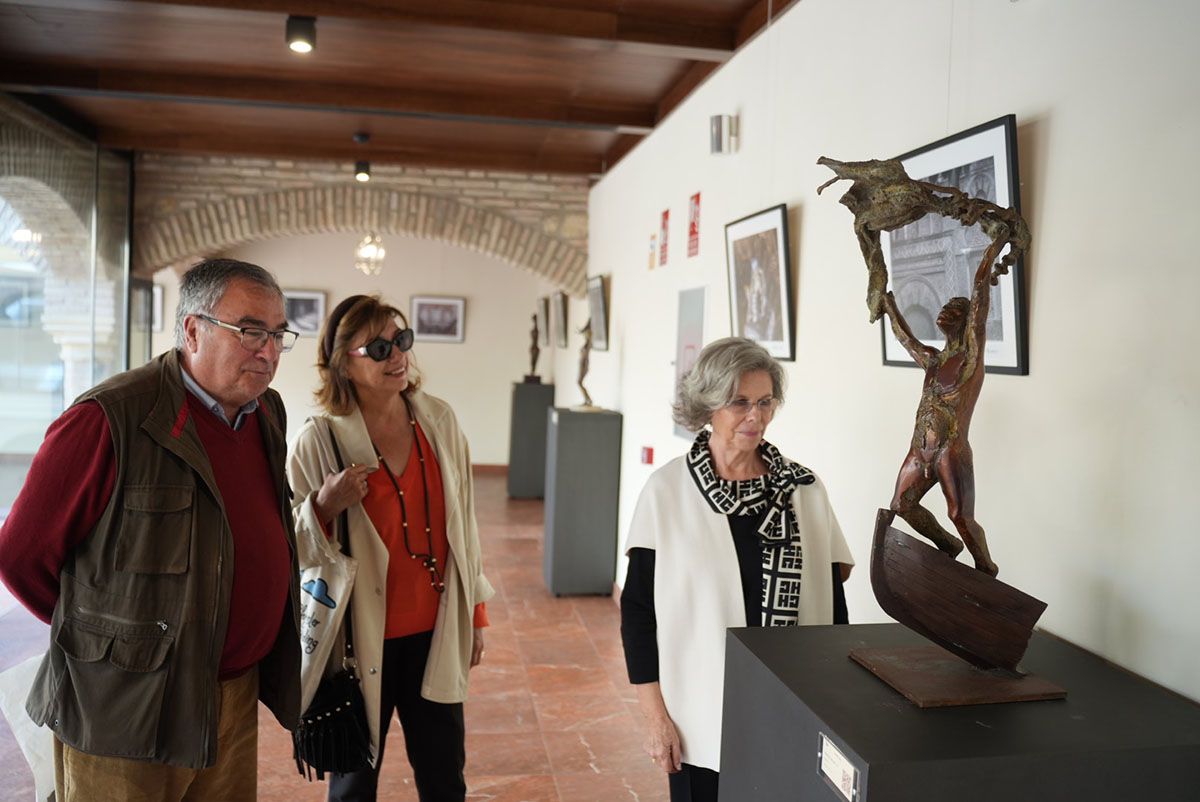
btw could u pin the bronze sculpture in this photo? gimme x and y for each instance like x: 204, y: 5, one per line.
x: 584, y: 358
x: 534, y: 351
x: 883, y: 198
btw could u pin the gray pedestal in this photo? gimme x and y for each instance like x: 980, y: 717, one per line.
x: 583, y: 472
x: 1114, y: 738
x: 527, y: 439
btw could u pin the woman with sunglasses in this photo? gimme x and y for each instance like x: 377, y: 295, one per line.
x: 732, y: 534
x: 394, y: 460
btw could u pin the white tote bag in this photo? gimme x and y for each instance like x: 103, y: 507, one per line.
x: 324, y: 592
x: 36, y: 743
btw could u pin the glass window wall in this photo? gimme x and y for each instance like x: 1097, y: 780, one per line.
x: 64, y: 277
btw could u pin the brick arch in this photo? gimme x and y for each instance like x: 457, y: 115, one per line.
x: 48, y: 155
x: 223, y: 224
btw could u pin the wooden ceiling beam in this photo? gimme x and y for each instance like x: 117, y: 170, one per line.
x: 692, y: 77
x: 763, y: 13
x: 619, y: 149
x: 509, y: 109
x: 284, y: 146
x: 669, y: 38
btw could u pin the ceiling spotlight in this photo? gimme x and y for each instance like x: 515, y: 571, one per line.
x: 362, y: 172
x: 302, y: 34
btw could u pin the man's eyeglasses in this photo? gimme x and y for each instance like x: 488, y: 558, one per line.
x: 742, y: 406
x: 380, y: 349
x: 254, y: 338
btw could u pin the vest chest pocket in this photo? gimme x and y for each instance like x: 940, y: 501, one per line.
x: 156, y: 534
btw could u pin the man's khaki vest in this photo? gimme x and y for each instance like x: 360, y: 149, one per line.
x: 143, y: 604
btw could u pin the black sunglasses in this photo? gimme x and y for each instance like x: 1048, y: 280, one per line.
x: 380, y: 349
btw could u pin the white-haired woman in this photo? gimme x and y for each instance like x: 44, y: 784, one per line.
x: 731, y: 534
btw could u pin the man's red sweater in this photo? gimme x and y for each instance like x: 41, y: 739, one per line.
x: 69, y: 486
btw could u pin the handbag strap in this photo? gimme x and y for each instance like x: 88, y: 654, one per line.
x: 344, y: 546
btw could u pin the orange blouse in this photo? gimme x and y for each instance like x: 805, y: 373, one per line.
x: 412, y: 603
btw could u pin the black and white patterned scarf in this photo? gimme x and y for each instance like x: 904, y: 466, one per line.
x: 769, y: 496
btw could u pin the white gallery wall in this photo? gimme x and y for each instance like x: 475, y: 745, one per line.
x: 475, y: 377
x: 1087, y: 467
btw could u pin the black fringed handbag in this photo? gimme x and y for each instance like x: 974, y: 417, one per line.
x: 333, y: 735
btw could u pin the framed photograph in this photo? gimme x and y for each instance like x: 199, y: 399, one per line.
x: 437, y: 319
x: 558, y: 318
x: 934, y: 259
x: 689, y: 340
x: 305, y: 311
x: 760, y: 281
x: 543, y: 320
x: 598, y: 312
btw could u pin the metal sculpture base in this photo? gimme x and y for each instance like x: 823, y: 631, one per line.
x: 966, y: 612
x: 929, y: 676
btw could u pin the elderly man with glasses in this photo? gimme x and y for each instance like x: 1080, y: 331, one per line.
x: 154, y: 533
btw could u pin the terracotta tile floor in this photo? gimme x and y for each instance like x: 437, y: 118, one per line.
x: 551, y: 716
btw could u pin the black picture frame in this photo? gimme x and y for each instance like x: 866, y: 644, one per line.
x: 438, y: 318
x: 305, y: 311
x: 558, y: 318
x: 597, y: 295
x: 758, y: 266
x: 543, y: 320
x: 935, y: 258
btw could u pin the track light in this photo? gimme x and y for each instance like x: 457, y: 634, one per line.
x: 362, y: 172
x: 302, y: 34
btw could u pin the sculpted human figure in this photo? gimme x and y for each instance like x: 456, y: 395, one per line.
x: 884, y: 198
x: 584, y: 358
x: 534, y: 351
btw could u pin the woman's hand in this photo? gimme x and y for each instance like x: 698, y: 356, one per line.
x: 477, y: 647
x: 662, y: 739
x: 662, y: 744
x: 340, y: 491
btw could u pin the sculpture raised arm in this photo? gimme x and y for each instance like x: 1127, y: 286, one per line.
x: 883, y: 198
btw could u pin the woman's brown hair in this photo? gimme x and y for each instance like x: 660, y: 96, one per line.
x: 349, y: 320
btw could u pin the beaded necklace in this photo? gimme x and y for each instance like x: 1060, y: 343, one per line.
x: 427, y: 559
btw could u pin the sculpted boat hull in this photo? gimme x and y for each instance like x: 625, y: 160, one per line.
x: 970, y: 614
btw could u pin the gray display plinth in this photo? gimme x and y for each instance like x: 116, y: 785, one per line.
x: 527, y: 439
x: 1115, y: 737
x: 583, y: 473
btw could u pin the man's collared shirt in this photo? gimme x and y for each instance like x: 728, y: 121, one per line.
x: 214, y: 405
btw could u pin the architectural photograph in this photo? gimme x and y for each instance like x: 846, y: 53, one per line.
x: 353, y: 445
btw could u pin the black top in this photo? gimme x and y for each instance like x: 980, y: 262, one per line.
x: 638, y: 621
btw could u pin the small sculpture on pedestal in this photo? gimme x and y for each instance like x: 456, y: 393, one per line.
x: 532, y: 377
x: 584, y: 358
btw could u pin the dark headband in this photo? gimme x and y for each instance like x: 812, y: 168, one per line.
x: 335, y: 320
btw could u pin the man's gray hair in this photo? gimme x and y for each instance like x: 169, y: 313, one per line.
x: 203, y: 286
x: 713, y: 380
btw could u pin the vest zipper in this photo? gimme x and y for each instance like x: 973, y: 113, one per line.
x: 118, y: 619
x: 209, y: 740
